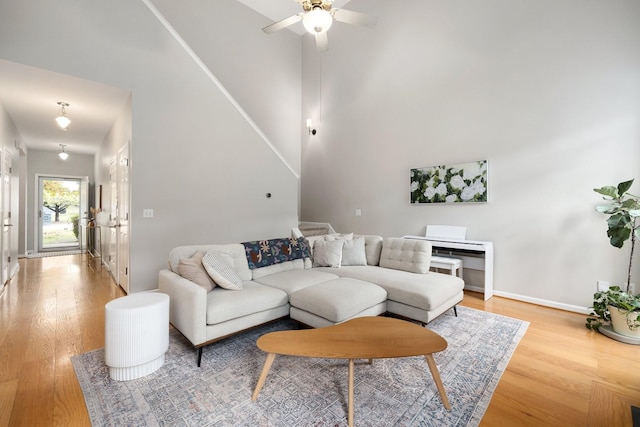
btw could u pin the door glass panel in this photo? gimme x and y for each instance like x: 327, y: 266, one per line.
x: 59, y: 213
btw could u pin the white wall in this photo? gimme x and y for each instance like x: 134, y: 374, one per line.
x: 546, y: 91
x: 261, y: 72
x: 195, y: 159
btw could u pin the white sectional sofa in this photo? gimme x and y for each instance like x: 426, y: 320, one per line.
x: 391, y: 276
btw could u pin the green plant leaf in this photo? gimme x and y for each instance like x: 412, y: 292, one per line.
x: 623, y: 187
x: 618, y: 235
x: 618, y: 220
x: 608, y: 209
x: 630, y: 204
x: 607, y: 191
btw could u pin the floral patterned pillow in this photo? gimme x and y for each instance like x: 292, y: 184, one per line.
x: 262, y: 253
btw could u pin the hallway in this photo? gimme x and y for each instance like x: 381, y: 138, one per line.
x: 52, y: 309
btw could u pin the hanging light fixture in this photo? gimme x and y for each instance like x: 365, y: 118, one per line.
x: 63, y: 154
x: 317, y: 20
x: 62, y: 119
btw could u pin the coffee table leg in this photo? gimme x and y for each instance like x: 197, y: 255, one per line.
x: 263, y: 375
x: 436, y: 377
x: 350, y: 419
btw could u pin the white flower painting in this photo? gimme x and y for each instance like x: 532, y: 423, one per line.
x: 461, y: 183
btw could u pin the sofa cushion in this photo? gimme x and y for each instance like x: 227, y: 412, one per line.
x: 327, y: 253
x: 224, y: 305
x: 406, y: 254
x: 353, y: 252
x: 373, y: 248
x: 220, y: 267
x: 424, y: 291
x: 338, y: 299
x: 235, y: 250
x: 296, y: 264
x: 192, y: 269
x: 293, y: 280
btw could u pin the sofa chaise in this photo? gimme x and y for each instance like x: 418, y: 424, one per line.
x: 321, y: 281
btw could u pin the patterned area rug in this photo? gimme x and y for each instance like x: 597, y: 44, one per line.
x: 303, y: 391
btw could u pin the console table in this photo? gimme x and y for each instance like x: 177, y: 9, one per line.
x: 457, y: 248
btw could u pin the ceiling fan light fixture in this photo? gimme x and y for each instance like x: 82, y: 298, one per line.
x: 317, y: 20
x: 62, y: 119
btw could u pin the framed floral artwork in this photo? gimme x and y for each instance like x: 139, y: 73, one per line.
x: 460, y: 183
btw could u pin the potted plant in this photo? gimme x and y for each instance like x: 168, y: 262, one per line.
x: 616, y: 305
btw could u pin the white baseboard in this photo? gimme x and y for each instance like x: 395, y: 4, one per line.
x: 14, y: 270
x: 544, y: 302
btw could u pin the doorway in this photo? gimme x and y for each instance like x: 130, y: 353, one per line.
x: 62, y: 209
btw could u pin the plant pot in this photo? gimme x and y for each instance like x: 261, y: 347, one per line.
x: 620, y: 321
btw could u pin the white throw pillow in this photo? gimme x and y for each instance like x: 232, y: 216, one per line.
x: 312, y: 241
x: 327, y: 254
x: 220, y: 267
x: 336, y: 236
x: 353, y: 252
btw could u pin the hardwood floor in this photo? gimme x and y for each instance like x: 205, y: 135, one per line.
x: 52, y: 309
x: 561, y: 374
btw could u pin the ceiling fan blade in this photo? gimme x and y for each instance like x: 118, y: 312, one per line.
x: 355, y: 18
x: 283, y: 24
x: 322, y: 41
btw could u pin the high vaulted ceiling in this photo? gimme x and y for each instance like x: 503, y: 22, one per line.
x: 30, y: 96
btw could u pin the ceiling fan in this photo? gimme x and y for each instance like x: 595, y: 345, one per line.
x: 317, y: 18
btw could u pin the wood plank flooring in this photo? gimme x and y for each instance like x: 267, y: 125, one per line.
x: 561, y: 374
x: 52, y: 309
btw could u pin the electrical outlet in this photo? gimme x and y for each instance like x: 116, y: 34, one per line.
x: 602, y: 285
x: 632, y: 288
x: 147, y: 213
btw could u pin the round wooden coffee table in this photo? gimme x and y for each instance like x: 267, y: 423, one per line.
x: 360, y: 338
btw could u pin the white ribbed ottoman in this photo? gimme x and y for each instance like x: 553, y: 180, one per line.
x: 136, y: 334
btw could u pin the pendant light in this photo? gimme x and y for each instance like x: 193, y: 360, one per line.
x: 62, y: 119
x: 63, y: 154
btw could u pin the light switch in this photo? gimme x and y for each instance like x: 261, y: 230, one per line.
x: 358, y: 212
x: 147, y: 213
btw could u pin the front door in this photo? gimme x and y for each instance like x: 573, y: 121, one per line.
x: 59, y: 217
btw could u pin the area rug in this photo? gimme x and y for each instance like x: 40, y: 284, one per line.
x: 32, y: 254
x: 303, y: 391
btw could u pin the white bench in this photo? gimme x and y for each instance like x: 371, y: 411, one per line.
x: 454, y: 265
x: 449, y: 232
